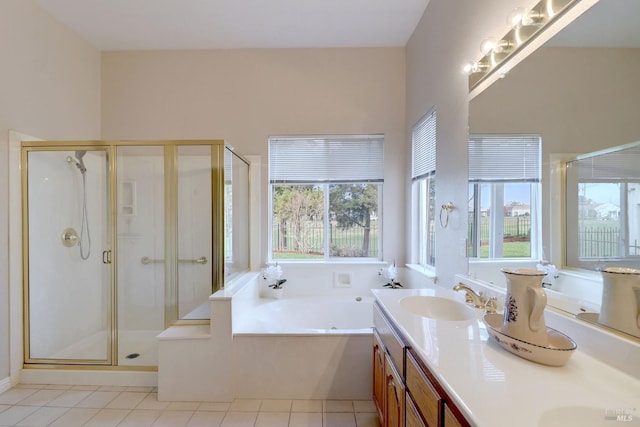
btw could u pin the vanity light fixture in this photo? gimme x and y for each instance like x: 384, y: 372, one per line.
x: 525, y: 24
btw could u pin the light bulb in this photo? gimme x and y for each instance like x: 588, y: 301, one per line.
x: 475, y: 67
x: 515, y: 17
x: 487, y: 45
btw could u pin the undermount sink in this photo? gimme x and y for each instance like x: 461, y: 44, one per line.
x: 437, y: 308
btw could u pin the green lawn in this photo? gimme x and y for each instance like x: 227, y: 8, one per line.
x: 510, y: 250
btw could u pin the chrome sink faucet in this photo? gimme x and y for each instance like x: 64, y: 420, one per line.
x: 477, y: 300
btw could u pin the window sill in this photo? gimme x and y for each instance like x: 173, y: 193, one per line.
x: 425, y: 270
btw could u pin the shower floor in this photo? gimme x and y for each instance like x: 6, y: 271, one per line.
x: 141, y: 343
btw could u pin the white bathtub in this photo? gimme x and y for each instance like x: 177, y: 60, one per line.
x: 349, y: 314
x: 304, y: 346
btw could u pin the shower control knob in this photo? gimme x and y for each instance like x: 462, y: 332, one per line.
x: 69, y: 237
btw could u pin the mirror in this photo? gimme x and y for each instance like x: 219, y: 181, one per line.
x: 581, y: 94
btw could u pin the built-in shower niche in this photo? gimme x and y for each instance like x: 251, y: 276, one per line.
x: 148, y: 244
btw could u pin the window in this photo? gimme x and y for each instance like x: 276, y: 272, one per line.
x: 325, y: 195
x: 423, y: 177
x: 504, y: 195
x: 602, y: 206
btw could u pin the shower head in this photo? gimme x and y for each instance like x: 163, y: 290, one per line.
x: 78, y: 160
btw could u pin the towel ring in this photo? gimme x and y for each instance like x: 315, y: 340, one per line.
x: 447, y: 209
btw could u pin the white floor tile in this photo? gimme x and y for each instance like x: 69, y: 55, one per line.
x: 140, y: 389
x: 305, y: 419
x: 43, y: 417
x: 15, y: 414
x: 140, y: 418
x: 214, y: 406
x: 245, y: 405
x: 69, y: 398
x: 306, y: 406
x: 275, y: 405
x: 173, y: 419
x: 206, y: 419
x: 15, y: 395
x: 4, y: 407
x: 85, y: 387
x: 339, y: 419
x: 126, y: 400
x: 151, y: 402
x: 57, y: 387
x: 107, y: 418
x: 183, y: 406
x: 367, y: 419
x: 75, y: 417
x: 272, y: 419
x: 239, y: 419
x: 40, y: 397
x: 338, y: 406
x: 112, y: 388
x: 98, y: 399
x: 364, y: 406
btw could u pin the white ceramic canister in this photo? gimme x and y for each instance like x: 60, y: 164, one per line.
x: 620, y: 307
x: 524, y: 306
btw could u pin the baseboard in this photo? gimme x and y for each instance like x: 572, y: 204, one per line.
x: 89, y: 377
x: 5, y: 384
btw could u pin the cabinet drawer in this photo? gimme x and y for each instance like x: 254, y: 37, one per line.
x: 426, y: 398
x: 392, y: 342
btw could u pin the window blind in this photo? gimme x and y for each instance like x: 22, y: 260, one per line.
x: 336, y: 159
x: 423, y: 137
x: 504, y: 158
x: 619, y: 165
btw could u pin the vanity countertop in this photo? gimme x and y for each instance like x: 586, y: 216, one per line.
x: 493, y: 387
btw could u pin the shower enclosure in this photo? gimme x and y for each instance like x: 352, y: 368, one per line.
x: 122, y: 240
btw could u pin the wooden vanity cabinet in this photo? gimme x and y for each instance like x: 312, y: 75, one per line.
x: 394, y: 406
x: 378, y: 375
x: 405, y: 392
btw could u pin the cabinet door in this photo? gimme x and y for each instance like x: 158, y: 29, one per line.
x: 450, y: 419
x: 394, y: 396
x: 427, y: 399
x: 378, y: 375
x: 413, y: 418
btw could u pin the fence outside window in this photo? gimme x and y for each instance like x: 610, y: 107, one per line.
x: 307, y: 241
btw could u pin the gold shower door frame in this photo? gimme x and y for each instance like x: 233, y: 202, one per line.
x: 170, y: 239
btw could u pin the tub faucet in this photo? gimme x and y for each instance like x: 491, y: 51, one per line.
x: 475, y: 299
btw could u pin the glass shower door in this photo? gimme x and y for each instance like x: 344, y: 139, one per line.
x: 141, y: 255
x: 194, y: 230
x: 68, y: 262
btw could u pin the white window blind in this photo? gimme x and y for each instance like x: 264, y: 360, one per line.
x: 335, y: 159
x: 615, y: 166
x: 423, y: 138
x: 504, y: 158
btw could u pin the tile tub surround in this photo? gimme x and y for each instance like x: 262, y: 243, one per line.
x: 68, y: 406
x: 493, y: 387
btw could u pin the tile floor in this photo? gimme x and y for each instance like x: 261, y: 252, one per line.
x: 102, y: 406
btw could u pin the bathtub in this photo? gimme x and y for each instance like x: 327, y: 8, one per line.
x: 340, y: 314
x: 303, y: 347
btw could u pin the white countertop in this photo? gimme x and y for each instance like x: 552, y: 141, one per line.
x: 494, y: 388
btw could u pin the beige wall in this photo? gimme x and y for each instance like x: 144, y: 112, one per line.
x: 245, y: 96
x: 579, y: 100
x: 50, y: 88
x: 447, y: 37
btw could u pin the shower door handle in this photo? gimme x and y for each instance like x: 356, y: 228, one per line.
x: 106, y: 257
